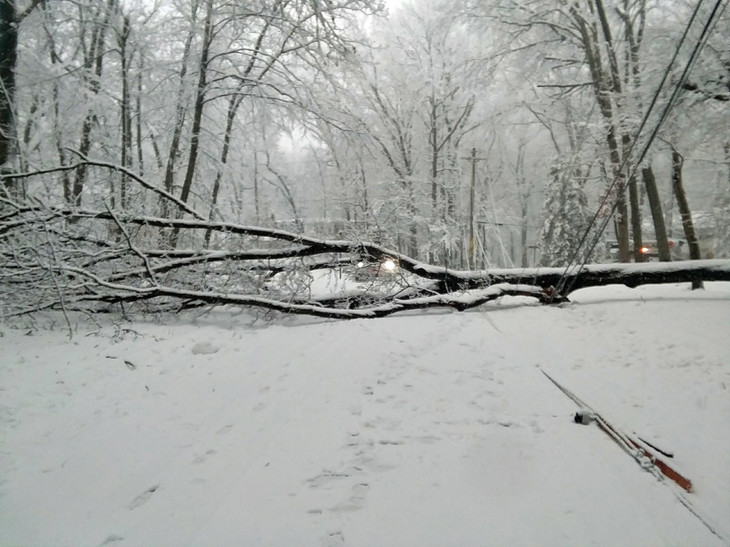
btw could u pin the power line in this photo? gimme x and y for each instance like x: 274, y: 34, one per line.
x: 665, y: 114
x: 663, y: 117
x: 644, y: 120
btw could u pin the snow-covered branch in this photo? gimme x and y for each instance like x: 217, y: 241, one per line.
x: 99, y: 260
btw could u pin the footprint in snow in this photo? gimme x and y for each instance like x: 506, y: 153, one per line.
x: 144, y: 497
x: 356, y: 500
x: 333, y: 539
x: 225, y: 429
x: 327, y: 477
x: 201, y: 459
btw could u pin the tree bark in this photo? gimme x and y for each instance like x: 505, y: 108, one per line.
x: 94, y: 58
x: 684, y: 210
x: 603, y: 86
x: 197, y: 113
x: 9, y: 48
x: 9, y: 27
x: 199, y: 103
x: 180, y: 112
x: 138, y: 105
x: 8, y: 60
x: 126, y: 111
x: 233, y: 105
x: 655, y: 206
x: 638, y: 242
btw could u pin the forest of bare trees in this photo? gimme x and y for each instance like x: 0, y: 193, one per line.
x: 188, y: 152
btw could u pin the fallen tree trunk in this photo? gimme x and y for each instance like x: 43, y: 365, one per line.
x: 99, y: 260
x: 631, y: 275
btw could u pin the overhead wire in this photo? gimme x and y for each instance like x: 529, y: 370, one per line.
x: 702, y: 40
x: 644, y: 120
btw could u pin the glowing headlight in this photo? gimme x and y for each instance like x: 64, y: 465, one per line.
x: 645, y: 250
x: 389, y: 265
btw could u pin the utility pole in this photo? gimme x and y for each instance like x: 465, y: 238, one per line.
x: 472, y: 195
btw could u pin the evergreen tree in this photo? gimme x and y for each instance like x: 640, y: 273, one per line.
x: 567, y: 217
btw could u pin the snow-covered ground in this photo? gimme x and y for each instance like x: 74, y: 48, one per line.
x: 431, y: 429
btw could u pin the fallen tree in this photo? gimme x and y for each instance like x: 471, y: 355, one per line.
x: 70, y: 258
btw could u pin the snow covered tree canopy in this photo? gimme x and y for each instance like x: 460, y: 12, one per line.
x: 146, y: 145
x: 569, y: 229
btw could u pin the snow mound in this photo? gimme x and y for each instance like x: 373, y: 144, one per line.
x: 204, y: 348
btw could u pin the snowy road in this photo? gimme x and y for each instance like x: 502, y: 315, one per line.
x: 435, y: 429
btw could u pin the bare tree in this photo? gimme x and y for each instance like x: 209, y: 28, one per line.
x: 595, y: 46
x: 10, y: 22
x: 54, y: 258
x: 93, y: 54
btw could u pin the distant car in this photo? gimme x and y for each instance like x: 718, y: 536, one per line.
x: 678, y: 249
x: 650, y: 251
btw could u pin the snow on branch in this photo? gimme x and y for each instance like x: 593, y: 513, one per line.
x: 112, y: 259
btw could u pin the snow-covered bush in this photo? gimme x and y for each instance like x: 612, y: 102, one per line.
x: 566, y: 218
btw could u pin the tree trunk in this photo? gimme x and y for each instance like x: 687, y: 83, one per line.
x: 605, y: 84
x: 655, y: 205
x: 364, y: 182
x: 524, y: 197
x: 197, y: 113
x: 95, y: 58
x: 523, y: 233
x: 57, y: 128
x: 256, y: 194
x: 199, y: 103
x: 8, y: 59
x: 622, y: 223
x: 636, y: 221
x: 346, y: 201
x: 138, y: 105
x: 27, y: 131
x: 638, y: 243
x: 180, y: 111
x: 684, y: 211
x: 434, y: 150
x: 233, y: 105
x: 126, y: 112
